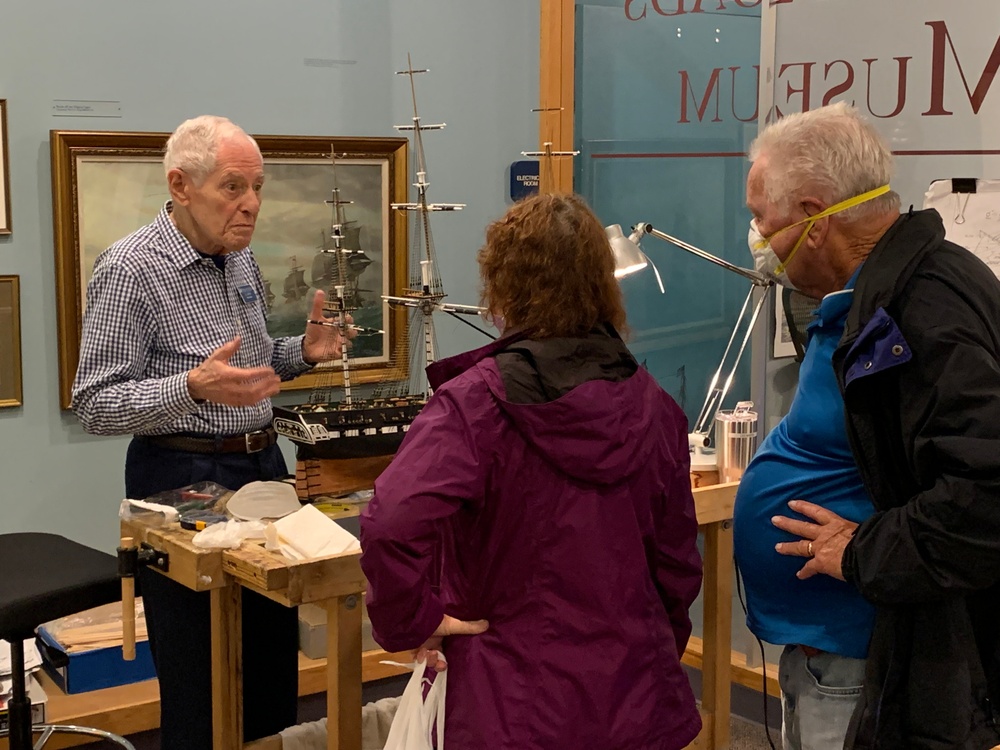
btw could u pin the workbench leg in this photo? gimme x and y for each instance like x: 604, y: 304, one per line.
x: 718, y: 610
x: 227, y: 668
x: 343, y: 672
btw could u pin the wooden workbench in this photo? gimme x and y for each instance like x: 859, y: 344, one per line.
x: 135, y: 708
x: 336, y: 583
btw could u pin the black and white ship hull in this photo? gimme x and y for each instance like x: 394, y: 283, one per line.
x: 339, y: 431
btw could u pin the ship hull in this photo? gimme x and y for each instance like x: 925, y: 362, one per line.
x: 341, y: 449
x: 350, y: 448
x: 337, y: 432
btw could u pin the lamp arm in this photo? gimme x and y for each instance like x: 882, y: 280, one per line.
x: 716, y: 393
x: 756, y: 277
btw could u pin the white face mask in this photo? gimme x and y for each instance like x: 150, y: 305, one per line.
x: 764, y: 258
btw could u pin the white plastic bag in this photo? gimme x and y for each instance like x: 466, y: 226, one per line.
x: 416, y: 719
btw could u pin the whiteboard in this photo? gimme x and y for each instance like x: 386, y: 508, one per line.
x: 971, y: 220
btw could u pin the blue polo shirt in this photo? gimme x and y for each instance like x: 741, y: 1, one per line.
x: 806, y: 457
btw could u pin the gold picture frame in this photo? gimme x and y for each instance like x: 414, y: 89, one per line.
x: 5, y: 225
x: 108, y: 184
x: 10, y: 342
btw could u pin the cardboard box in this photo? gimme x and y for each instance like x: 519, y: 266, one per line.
x: 312, y: 631
x: 32, y: 660
x: 96, y: 669
x: 38, y: 700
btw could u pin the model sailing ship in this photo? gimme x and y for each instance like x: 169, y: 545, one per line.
x: 343, y: 442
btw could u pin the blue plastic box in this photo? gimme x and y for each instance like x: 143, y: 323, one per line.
x: 99, y: 668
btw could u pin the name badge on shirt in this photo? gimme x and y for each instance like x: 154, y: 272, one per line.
x: 247, y: 294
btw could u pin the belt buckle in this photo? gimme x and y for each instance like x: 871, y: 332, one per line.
x: 249, y: 440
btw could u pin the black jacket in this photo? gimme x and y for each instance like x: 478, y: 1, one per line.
x: 919, y: 368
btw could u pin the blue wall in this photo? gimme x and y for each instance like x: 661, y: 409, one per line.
x: 246, y: 60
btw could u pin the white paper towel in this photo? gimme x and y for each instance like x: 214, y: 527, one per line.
x: 308, y: 533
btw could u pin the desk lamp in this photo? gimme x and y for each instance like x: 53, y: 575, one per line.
x: 630, y: 258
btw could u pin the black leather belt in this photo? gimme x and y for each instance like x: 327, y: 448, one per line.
x: 250, y: 442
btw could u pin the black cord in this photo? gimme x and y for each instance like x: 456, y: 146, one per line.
x: 472, y: 325
x: 763, y: 659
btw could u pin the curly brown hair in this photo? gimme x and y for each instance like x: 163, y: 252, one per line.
x: 548, y: 269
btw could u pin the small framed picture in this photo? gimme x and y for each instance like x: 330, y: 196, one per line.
x: 10, y: 342
x: 4, y: 172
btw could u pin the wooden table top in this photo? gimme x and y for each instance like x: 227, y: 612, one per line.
x: 292, y: 582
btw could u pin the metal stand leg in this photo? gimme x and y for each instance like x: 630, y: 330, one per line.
x: 19, y: 707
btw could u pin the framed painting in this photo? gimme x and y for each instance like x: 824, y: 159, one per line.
x: 106, y: 185
x: 10, y: 341
x: 4, y: 172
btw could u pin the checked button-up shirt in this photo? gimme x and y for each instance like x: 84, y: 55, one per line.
x: 157, y: 308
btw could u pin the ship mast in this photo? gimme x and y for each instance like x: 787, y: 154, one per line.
x: 546, y: 156
x: 339, y: 301
x: 426, y: 291
x: 337, y: 232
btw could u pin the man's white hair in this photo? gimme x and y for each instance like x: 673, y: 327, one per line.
x: 193, y: 146
x: 831, y: 153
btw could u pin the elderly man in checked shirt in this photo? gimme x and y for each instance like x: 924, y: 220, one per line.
x: 175, y: 351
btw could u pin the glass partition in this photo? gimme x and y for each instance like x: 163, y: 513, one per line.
x: 666, y: 99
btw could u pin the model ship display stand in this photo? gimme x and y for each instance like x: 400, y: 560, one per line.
x: 343, y: 441
x: 546, y: 156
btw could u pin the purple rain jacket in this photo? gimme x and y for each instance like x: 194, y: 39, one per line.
x: 568, y: 524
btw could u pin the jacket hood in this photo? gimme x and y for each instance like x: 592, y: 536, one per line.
x: 599, y: 430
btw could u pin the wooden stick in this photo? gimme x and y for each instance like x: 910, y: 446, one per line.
x: 103, y: 632
x: 128, y: 609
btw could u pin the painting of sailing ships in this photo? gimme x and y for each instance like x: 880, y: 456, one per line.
x: 110, y: 184
x: 292, y: 246
x: 344, y: 440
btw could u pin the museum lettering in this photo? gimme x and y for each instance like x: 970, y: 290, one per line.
x: 801, y: 86
x: 636, y: 10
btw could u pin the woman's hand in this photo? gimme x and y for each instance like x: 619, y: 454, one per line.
x: 448, y: 626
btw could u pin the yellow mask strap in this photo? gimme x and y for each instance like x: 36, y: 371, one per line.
x: 836, y: 208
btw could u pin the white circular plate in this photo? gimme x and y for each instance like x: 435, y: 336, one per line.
x: 260, y: 500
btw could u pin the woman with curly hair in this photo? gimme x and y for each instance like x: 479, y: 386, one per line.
x: 537, y: 525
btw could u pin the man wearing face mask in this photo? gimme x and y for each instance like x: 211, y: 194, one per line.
x: 885, y: 473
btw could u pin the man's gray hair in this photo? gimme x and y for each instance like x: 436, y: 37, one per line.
x: 193, y: 146
x: 832, y: 153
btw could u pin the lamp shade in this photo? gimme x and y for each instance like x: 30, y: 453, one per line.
x: 629, y: 258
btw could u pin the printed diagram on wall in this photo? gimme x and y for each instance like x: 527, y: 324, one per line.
x: 4, y: 172
x: 793, y: 314
x: 783, y: 344
x: 970, y: 209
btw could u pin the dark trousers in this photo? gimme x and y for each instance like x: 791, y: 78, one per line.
x: 178, y: 622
